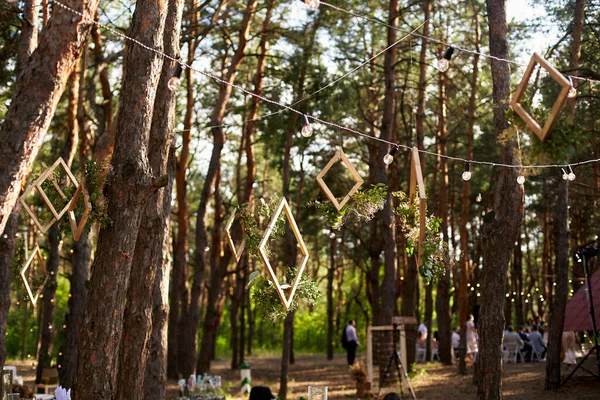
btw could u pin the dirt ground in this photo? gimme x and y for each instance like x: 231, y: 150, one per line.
x: 432, y: 381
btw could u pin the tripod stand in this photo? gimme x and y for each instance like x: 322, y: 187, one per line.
x: 399, y: 366
x: 583, y: 256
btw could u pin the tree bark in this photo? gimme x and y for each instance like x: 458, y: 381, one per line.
x: 29, y: 32
x: 130, y: 185
x: 38, y: 88
x: 578, y: 21
x: 557, y: 318
x: 330, y: 314
x: 464, y: 208
x: 8, y: 241
x: 216, y: 120
x: 502, y: 226
x: 151, y: 255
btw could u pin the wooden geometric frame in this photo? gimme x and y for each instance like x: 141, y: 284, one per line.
x: 38, y: 184
x: 541, y: 132
x: 76, y: 229
x: 237, y: 253
x: 339, y: 156
x: 32, y: 215
x: 416, y: 180
x: 35, y: 253
x: 283, y: 206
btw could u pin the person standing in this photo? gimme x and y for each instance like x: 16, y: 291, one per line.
x: 351, y: 341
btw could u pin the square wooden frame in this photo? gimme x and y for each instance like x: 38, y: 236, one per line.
x: 284, y: 206
x: 36, y: 253
x: 237, y: 253
x: 542, y: 133
x: 77, y: 229
x: 416, y: 179
x: 339, y: 156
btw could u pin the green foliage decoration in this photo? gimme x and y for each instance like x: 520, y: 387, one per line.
x: 436, y: 256
x: 95, y: 177
x: 250, y: 219
x: 266, y: 299
x: 362, y: 205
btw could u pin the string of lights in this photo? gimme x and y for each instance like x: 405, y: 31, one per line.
x: 449, y: 45
x: 305, y: 118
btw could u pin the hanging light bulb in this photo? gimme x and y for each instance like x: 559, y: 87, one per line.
x: 307, y: 130
x: 312, y: 4
x: 571, y: 175
x: 332, y: 235
x: 521, y: 180
x: 175, y: 80
x: 478, y: 198
x: 444, y: 63
x: 572, y: 91
x: 389, y: 157
x: 565, y: 176
x: 467, y: 174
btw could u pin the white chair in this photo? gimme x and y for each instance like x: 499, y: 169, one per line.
x: 420, y: 355
x: 536, y: 355
x: 49, y: 381
x: 17, y: 380
x: 513, y: 353
x: 435, y: 354
x: 43, y: 397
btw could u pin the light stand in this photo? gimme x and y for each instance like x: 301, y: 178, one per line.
x: 583, y: 255
x: 397, y: 360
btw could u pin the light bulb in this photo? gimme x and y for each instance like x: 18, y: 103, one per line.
x: 478, y: 198
x: 565, y: 176
x: 521, y: 180
x: 443, y: 65
x: 388, y: 159
x: 173, y: 83
x: 571, y: 176
x: 307, y: 131
x: 312, y: 4
x: 466, y: 175
x: 332, y: 235
x: 572, y: 93
x: 175, y: 80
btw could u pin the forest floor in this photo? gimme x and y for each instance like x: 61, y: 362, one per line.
x: 432, y: 380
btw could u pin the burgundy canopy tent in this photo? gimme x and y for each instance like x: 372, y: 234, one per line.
x: 577, y: 316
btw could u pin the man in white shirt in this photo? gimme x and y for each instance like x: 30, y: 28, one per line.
x: 422, y: 328
x: 351, y: 341
x: 455, y: 340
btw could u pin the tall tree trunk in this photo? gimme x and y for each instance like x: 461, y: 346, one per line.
x: 151, y: 256
x: 578, y: 21
x: 29, y: 32
x: 8, y: 241
x: 464, y: 208
x: 517, y: 276
x: 82, y: 257
x: 442, y: 300
x: 216, y: 120
x: 502, y: 226
x: 131, y: 184
x: 330, y: 314
x: 38, y: 87
x: 557, y: 318
x: 47, y: 328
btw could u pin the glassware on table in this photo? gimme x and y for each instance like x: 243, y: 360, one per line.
x: 317, y: 393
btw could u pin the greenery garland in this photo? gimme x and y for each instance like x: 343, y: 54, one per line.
x: 436, y: 256
x: 267, y: 301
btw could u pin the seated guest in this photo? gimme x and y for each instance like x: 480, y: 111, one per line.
x: 524, y: 335
x: 537, y: 342
x: 455, y: 340
x: 512, y: 340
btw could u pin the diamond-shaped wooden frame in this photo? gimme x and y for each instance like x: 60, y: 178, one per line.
x: 237, y: 253
x: 36, y: 253
x: 76, y: 229
x: 32, y: 215
x: 416, y: 179
x: 339, y: 156
x: 284, y: 206
x: 541, y: 132
x: 38, y: 184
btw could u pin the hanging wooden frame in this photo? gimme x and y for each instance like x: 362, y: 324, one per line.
x: 416, y: 180
x: 284, y: 206
x: 34, y: 218
x: 38, y: 184
x: 339, y: 156
x: 515, y: 102
x: 237, y: 253
x: 77, y: 229
x: 36, y: 253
